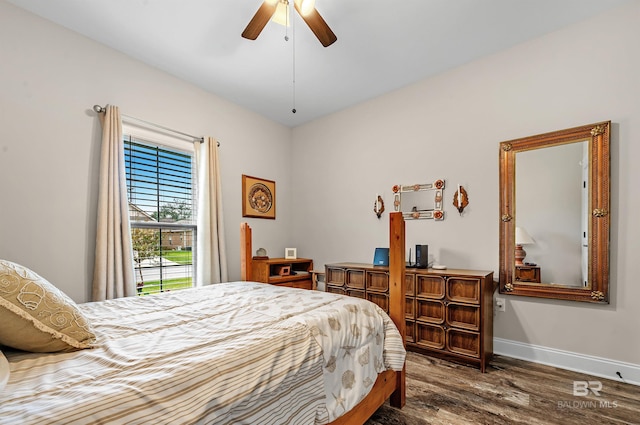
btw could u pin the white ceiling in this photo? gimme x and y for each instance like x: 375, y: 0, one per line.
x: 382, y: 44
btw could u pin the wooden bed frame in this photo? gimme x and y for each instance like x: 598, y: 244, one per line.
x: 389, y: 385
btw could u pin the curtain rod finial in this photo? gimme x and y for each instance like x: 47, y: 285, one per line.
x: 98, y: 108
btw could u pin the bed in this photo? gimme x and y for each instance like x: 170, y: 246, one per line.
x: 234, y: 353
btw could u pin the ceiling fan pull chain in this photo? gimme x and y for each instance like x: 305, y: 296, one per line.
x: 286, y: 26
x: 293, y: 34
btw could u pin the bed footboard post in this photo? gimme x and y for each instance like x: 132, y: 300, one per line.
x: 245, y: 252
x: 397, y: 292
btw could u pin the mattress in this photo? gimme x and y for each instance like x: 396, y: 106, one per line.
x: 233, y: 353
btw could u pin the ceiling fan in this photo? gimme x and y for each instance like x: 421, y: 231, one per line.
x: 305, y: 8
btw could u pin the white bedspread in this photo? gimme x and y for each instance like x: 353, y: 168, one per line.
x: 235, y: 353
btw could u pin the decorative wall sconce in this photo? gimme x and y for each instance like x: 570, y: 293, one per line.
x: 460, y: 199
x: 378, y: 207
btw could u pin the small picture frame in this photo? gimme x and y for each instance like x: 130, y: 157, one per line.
x: 283, y: 270
x: 290, y: 253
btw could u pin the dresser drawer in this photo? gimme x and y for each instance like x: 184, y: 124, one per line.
x: 356, y: 293
x: 409, y: 308
x: 430, y: 336
x: 381, y: 299
x: 302, y: 284
x: 377, y: 281
x: 410, y: 331
x: 431, y: 311
x: 463, y: 316
x: 355, y: 279
x: 464, y: 290
x: 410, y: 284
x: 430, y: 287
x: 336, y: 290
x: 334, y: 277
x: 463, y: 342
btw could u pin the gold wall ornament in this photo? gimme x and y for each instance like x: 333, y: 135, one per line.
x: 599, y: 212
x: 506, y: 218
x: 597, y: 295
x: 506, y: 147
x: 460, y: 199
x: 378, y: 206
x: 598, y: 130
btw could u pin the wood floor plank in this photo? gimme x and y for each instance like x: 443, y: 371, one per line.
x: 512, y: 391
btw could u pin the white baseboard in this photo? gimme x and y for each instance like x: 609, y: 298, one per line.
x: 591, y: 365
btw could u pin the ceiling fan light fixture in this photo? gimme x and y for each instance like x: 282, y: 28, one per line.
x: 306, y: 6
x: 281, y: 16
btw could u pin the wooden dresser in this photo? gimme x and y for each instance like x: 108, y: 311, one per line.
x: 280, y: 271
x: 448, y: 313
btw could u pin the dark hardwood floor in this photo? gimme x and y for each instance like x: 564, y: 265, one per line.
x: 510, y: 392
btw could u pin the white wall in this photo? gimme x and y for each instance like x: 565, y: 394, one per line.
x: 449, y: 127
x: 49, y: 145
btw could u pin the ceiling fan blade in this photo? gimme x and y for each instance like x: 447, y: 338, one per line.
x: 318, y: 26
x: 259, y: 20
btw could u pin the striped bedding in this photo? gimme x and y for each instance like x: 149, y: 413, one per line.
x: 234, y: 353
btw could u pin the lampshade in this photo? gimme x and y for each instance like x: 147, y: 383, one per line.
x: 522, y: 237
x: 306, y: 6
x: 281, y: 15
x: 282, y: 10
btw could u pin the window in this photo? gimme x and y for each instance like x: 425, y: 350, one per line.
x: 161, y: 195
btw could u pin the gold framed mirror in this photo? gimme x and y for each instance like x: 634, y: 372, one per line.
x: 554, y: 201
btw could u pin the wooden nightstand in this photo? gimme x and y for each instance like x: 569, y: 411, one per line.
x: 526, y: 273
x: 281, y: 271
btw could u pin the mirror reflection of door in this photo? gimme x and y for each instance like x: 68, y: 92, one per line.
x: 585, y: 214
x: 551, y: 205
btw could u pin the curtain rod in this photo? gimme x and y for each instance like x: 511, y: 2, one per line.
x: 100, y: 109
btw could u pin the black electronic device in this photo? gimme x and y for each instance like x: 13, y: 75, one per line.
x: 422, y: 256
x: 409, y: 263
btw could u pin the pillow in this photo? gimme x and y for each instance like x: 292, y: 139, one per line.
x: 36, y: 316
x: 4, y: 371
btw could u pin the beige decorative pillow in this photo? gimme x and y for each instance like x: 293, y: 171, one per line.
x: 36, y: 316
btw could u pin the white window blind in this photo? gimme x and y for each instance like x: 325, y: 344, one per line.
x: 161, y: 195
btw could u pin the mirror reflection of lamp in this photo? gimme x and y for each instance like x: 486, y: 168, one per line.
x: 522, y: 238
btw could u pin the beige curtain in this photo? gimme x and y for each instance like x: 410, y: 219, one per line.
x: 113, y: 275
x: 211, y: 261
